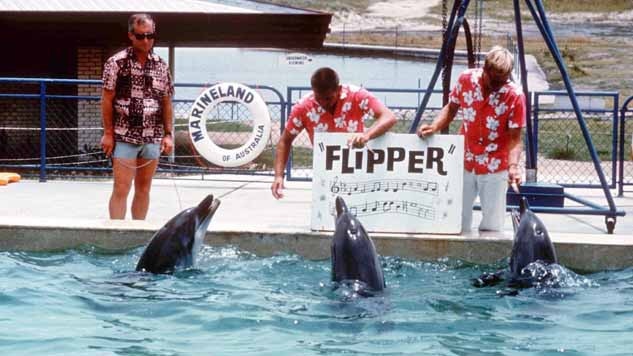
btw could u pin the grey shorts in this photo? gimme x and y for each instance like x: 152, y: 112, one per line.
x: 132, y: 151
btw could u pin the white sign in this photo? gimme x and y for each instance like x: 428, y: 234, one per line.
x: 297, y: 59
x: 398, y: 183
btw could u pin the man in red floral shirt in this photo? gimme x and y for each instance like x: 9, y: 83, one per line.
x: 493, y: 110
x: 331, y: 107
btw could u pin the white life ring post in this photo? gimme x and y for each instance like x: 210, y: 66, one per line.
x: 233, y: 92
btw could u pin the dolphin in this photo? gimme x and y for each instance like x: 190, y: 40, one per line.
x: 177, y: 243
x: 354, y: 256
x: 531, y: 244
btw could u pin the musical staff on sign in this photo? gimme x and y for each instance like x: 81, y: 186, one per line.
x: 380, y: 207
x: 382, y: 185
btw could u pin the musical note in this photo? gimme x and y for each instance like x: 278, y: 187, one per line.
x: 334, y: 188
x: 353, y: 189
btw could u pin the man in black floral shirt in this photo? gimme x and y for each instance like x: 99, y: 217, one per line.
x: 137, y: 116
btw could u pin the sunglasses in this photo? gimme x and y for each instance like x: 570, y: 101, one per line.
x: 142, y: 36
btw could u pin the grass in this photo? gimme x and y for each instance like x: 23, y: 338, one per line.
x: 594, y: 63
x: 359, y: 6
x: 219, y: 126
x: 587, y: 5
x: 561, y: 138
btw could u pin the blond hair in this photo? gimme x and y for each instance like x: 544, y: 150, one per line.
x: 499, y: 60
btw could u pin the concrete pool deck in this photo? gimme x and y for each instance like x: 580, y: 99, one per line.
x: 59, y: 215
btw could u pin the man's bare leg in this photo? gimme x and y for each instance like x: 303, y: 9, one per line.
x: 123, y: 171
x: 142, y: 187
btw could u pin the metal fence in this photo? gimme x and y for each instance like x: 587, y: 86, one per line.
x: 51, y: 127
x: 625, y: 158
x: 562, y: 154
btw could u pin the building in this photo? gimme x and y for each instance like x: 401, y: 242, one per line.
x: 72, y: 39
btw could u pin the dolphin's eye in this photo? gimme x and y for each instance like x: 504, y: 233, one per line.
x: 539, y: 232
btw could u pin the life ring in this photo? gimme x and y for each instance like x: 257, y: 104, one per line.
x: 256, y: 142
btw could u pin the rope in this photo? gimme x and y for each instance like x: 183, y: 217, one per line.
x: 75, y: 163
x: 11, y: 128
x: 444, y: 31
x: 173, y: 180
x: 49, y: 158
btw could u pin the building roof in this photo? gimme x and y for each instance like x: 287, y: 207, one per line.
x: 199, y: 23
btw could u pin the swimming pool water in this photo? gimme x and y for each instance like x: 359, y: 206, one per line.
x: 234, y: 303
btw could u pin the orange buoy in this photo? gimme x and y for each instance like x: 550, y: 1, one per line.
x: 7, y: 177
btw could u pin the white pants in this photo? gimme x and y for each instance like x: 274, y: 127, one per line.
x: 491, y: 189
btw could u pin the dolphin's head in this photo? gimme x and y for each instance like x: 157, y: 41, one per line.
x: 203, y: 214
x: 531, y: 239
x: 353, y: 253
x: 190, y: 225
x: 177, y: 243
x: 205, y: 211
x: 347, y: 225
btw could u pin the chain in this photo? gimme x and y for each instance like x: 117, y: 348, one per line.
x: 444, y: 31
x: 479, y: 34
x: 444, y: 19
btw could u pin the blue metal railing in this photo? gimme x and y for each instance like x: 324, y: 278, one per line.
x: 622, y: 139
x: 404, y: 100
x: 42, y: 95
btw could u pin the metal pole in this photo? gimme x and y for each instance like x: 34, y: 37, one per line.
x: 440, y: 61
x: 172, y: 70
x: 42, y: 132
x: 530, y: 172
x: 544, y: 28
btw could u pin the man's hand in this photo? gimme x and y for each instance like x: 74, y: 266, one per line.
x: 426, y: 130
x: 359, y: 140
x: 277, y: 187
x: 514, y: 174
x: 107, y: 144
x: 167, y: 144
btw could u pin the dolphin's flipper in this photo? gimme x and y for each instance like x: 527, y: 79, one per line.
x: 489, y: 279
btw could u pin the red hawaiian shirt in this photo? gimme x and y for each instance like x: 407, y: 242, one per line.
x: 486, y: 121
x: 354, y: 106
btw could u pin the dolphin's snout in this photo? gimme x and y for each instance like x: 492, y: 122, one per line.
x: 208, y: 206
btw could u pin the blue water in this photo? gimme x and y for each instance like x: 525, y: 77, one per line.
x: 234, y: 303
